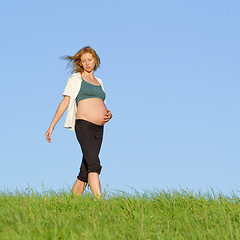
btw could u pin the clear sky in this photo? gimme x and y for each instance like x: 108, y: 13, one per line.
x: 170, y: 70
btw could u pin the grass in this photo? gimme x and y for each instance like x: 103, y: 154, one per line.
x: 154, y: 215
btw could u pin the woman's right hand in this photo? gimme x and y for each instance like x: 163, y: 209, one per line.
x: 48, y: 134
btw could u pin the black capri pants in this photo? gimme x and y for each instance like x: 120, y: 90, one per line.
x: 90, y: 137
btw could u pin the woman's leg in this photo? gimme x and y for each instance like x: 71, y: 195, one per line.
x: 82, y: 179
x: 94, y: 184
x: 93, y: 178
x: 90, y: 136
x: 79, y: 187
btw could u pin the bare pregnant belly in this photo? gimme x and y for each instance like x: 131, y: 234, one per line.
x: 92, y: 110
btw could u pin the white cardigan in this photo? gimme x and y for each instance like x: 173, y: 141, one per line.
x: 72, y: 88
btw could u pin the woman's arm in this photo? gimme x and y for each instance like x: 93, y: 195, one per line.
x: 61, y: 109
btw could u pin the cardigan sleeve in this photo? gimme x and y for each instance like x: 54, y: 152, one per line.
x: 68, y: 91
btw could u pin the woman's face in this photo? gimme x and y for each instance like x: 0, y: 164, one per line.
x: 88, y: 62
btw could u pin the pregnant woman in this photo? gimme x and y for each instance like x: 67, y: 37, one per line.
x: 84, y: 97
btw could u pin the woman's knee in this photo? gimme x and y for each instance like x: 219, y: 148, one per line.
x: 95, y: 168
x: 83, y: 177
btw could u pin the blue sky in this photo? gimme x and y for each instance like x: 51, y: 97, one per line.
x: 170, y: 70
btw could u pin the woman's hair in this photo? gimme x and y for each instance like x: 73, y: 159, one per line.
x: 75, y: 60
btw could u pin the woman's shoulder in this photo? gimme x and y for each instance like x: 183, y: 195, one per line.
x: 75, y: 75
x: 99, y: 79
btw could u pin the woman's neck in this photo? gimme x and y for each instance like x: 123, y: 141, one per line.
x: 88, y: 75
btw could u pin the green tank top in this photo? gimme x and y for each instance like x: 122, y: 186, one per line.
x: 89, y: 90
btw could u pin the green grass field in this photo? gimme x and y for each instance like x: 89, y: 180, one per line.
x: 154, y: 215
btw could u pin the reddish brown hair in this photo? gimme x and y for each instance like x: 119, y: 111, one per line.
x: 75, y: 60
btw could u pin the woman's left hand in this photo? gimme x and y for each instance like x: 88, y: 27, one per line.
x: 108, y: 116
